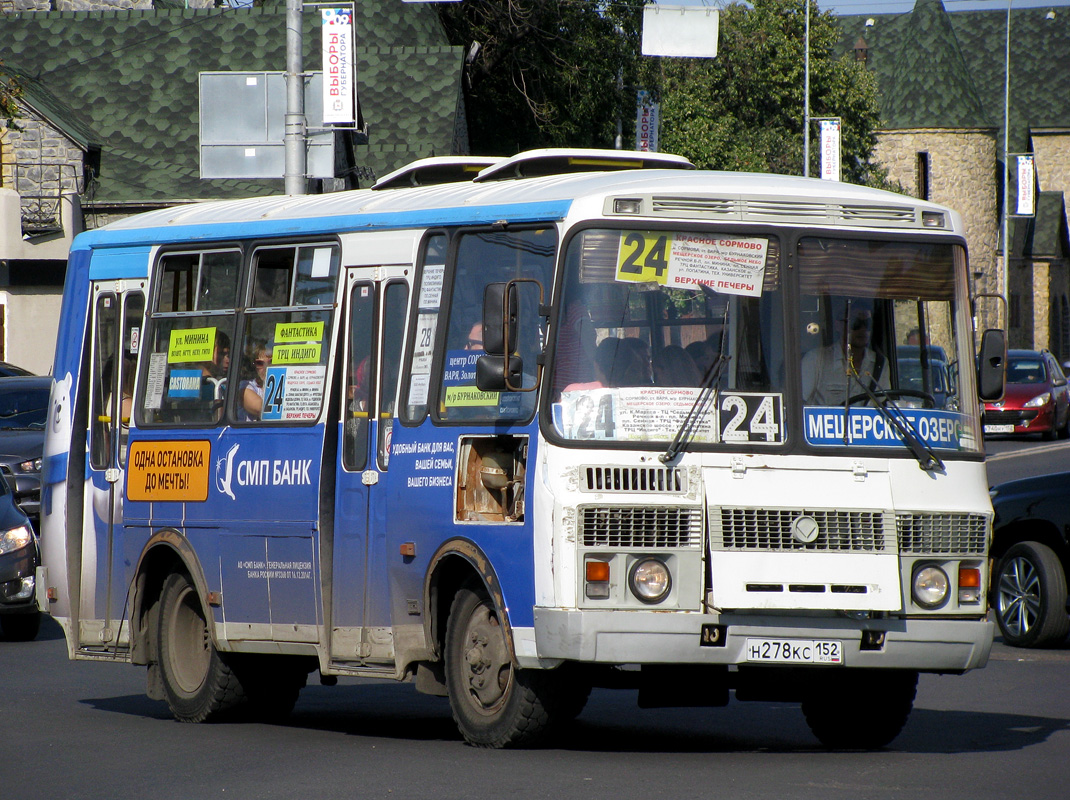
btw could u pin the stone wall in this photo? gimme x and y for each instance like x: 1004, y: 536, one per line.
x: 962, y: 175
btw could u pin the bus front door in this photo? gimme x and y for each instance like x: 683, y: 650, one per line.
x: 117, y: 321
x: 375, y: 331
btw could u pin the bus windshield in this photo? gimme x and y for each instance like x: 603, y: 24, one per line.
x: 863, y: 330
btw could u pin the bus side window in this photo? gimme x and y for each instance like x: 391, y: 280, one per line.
x: 393, y: 334
x: 191, y: 332
x: 359, y: 377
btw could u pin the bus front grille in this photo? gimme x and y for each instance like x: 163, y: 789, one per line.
x: 795, y: 529
x: 640, y: 527
x: 942, y: 533
x: 650, y: 480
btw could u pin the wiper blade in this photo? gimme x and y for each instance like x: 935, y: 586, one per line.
x: 698, y: 411
x: 927, y: 459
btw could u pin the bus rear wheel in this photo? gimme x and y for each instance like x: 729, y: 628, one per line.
x: 198, y: 684
x: 494, y: 704
x: 859, y: 709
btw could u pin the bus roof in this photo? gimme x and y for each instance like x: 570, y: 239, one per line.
x: 688, y: 194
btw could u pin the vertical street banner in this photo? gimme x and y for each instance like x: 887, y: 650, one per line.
x: 830, y: 149
x: 339, y: 83
x: 646, y: 123
x: 1026, y: 187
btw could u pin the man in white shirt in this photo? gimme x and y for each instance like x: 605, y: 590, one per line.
x: 825, y: 371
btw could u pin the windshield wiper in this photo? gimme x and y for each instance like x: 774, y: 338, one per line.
x: 702, y: 403
x: 927, y: 459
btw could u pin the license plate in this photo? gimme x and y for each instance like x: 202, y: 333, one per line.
x: 999, y: 429
x: 795, y: 651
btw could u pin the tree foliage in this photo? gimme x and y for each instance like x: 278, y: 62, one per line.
x: 546, y: 73
x: 743, y: 110
x: 10, y: 91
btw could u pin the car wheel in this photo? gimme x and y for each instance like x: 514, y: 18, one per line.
x: 21, y: 627
x: 1031, y: 596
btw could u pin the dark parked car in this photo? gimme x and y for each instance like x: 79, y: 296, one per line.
x: 23, y: 410
x: 8, y: 370
x: 1031, y: 554
x: 20, y: 617
x: 1036, y: 400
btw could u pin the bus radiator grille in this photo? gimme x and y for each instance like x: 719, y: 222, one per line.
x: 772, y: 529
x: 920, y: 534
x: 640, y: 527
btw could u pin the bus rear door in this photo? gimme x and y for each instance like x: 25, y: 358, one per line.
x: 117, y: 320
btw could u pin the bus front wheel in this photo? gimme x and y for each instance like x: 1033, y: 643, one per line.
x: 197, y: 682
x: 859, y: 709
x: 494, y: 704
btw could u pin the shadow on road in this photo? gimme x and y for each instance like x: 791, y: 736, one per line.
x: 612, y: 723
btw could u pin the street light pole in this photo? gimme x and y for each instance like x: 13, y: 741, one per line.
x: 295, y: 167
x: 1005, y: 282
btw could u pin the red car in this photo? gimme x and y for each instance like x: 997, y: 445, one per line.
x: 1037, y: 398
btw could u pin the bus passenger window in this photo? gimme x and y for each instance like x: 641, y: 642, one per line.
x: 393, y: 327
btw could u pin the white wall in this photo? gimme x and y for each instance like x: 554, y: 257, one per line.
x: 31, y: 321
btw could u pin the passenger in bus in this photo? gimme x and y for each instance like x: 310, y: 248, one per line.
x: 825, y: 369
x: 251, y: 388
x: 574, y: 362
x: 674, y: 367
x: 623, y: 362
x: 214, y: 373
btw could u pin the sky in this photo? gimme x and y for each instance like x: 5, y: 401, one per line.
x: 903, y: 6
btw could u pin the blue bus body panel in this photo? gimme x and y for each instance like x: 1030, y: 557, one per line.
x: 116, y: 263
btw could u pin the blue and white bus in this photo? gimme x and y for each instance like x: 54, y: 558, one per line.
x: 513, y: 429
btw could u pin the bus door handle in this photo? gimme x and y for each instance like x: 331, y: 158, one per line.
x: 369, y: 477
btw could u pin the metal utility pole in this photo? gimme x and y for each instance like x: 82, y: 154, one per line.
x: 296, y: 167
x: 1005, y: 283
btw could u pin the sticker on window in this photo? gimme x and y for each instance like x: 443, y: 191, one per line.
x: 726, y: 264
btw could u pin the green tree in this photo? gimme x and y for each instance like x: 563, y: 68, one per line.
x: 546, y: 73
x: 10, y: 91
x: 743, y: 110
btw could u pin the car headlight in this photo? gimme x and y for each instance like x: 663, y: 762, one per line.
x: 32, y: 465
x: 15, y: 539
x: 1040, y: 400
x: 930, y: 586
x: 649, y: 580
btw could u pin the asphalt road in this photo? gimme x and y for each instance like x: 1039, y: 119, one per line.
x: 86, y: 730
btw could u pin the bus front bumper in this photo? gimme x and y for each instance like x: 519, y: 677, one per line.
x: 645, y: 637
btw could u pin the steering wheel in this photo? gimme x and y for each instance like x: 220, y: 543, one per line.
x: 928, y: 401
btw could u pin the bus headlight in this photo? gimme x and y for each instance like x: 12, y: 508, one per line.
x: 649, y: 580
x: 929, y: 586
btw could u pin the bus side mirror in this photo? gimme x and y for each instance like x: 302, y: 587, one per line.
x: 992, y: 365
x: 500, y: 313
x: 491, y: 375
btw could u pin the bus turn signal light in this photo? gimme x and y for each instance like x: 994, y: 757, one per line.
x: 969, y: 585
x: 597, y: 575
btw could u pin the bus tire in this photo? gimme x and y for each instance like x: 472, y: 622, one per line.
x: 198, y: 684
x: 859, y: 709
x: 1030, y: 600
x: 21, y: 627
x: 494, y: 704
x: 271, y: 684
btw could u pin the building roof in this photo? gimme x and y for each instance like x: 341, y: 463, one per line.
x: 937, y: 69
x: 130, y: 79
